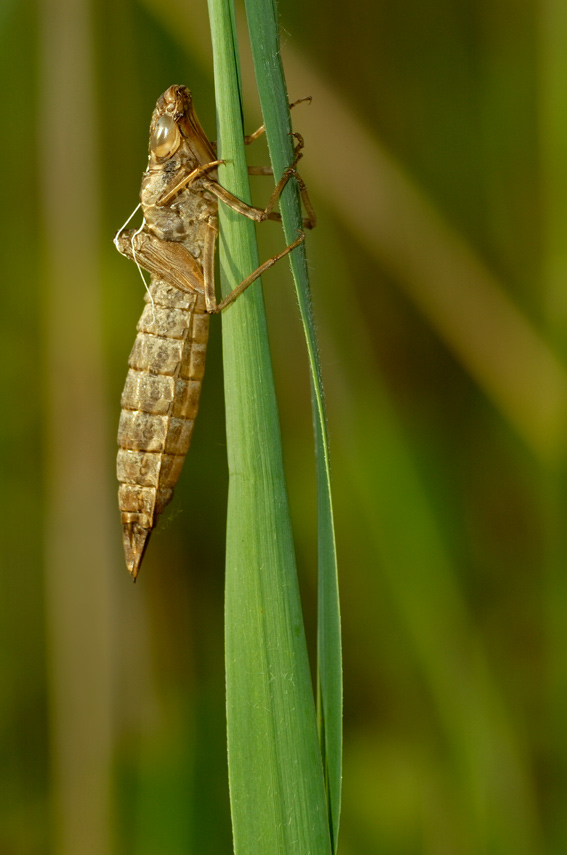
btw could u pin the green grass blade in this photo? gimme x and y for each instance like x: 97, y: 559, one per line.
x: 276, y: 781
x: 264, y: 39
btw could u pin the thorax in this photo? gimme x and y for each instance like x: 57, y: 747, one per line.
x: 183, y: 218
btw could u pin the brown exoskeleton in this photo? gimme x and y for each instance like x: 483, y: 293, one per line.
x: 176, y: 245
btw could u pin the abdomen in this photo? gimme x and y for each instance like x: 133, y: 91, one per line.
x: 159, y: 406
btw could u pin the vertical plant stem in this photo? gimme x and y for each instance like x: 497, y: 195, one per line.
x: 264, y: 40
x: 276, y: 779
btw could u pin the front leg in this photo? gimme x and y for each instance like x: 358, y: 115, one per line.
x: 262, y: 130
x: 259, y: 215
x: 250, y: 138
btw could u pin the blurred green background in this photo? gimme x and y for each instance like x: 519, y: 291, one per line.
x: 436, y: 157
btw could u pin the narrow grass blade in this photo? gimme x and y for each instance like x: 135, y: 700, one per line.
x: 264, y: 39
x: 276, y: 780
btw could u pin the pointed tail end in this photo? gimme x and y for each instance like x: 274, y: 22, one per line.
x: 136, y: 537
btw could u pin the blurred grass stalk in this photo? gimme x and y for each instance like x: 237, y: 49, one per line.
x: 553, y: 163
x: 277, y: 789
x: 77, y: 496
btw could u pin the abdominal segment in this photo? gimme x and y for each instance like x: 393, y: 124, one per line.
x: 159, y: 406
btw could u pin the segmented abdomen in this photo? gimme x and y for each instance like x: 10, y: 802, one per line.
x: 159, y: 405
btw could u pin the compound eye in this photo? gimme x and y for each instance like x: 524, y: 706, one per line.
x: 165, y: 137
